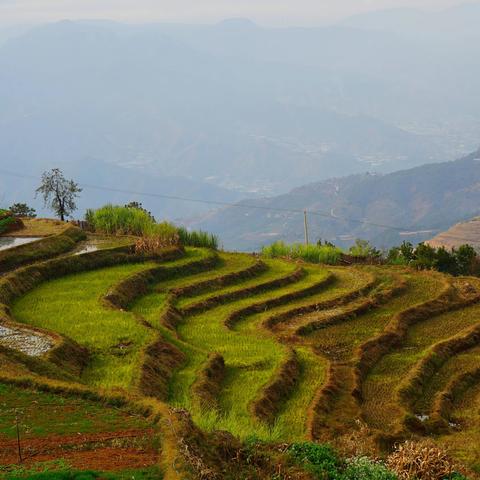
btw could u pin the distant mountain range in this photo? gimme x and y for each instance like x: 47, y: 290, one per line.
x: 416, y: 203
x: 237, y: 106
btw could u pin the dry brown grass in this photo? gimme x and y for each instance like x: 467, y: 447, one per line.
x: 40, y: 227
x: 154, y: 244
x: 420, y: 461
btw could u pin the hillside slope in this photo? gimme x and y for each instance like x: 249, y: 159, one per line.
x: 422, y: 201
x: 459, y: 234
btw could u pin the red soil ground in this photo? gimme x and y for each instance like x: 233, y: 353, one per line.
x: 129, y: 449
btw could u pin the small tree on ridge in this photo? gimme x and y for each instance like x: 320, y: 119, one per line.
x: 22, y: 210
x: 58, y: 193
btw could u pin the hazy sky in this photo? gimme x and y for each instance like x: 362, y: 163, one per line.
x: 266, y: 12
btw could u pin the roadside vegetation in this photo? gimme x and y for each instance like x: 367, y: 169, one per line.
x: 463, y: 260
x: 327, y: 254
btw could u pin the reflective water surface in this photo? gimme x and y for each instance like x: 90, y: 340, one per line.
x: 9, y: 242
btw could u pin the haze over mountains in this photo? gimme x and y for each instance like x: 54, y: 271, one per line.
x: 417, y: 203
x: 234, y: 109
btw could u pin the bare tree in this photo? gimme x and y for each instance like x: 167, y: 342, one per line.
x: 58, y: 193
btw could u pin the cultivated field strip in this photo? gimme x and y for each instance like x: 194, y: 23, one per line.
x: 229, y: 269
x: 429, y: 323
x: 334, y: 406
x: 344, y: 286
x: 458, y: 376
x: 444, y: 361
x: 463, y: 435
x: 266, y: 369
x: 277, y: 275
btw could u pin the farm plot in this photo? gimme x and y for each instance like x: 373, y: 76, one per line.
x: 334, y: 410
x: 72, y: 433
x: 452, y: 395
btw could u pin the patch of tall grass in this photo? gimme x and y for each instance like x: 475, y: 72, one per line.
x: 197, y: 238
x: 117, y: 220
x: 310, y: 253
x: 128, y: 220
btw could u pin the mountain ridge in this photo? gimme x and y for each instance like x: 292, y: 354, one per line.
x: 416, y: 203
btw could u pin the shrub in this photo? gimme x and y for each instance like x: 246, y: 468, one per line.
x: 22, y: 210
x: 5, y: 223
x: 363, y: 248
x: 310, y: 253
x: 401, y: 255
x: 362, y: 468
x: 466, y: 259
x: 461, y: 261
x: 446, y: 261
x: 320, y: 460
x: 8, y: 222
x: 420, y: 461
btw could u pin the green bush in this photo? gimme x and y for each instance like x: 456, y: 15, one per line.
x: 320, y: 460
x: 309, y: 253
x: 456, y: 476
x: 5, y: 222
x: 461, y: 261
x: 362, y: 468
x: 363, y: 248
x: 22, y: 210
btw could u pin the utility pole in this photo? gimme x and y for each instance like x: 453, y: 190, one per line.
x: 305, y: 225
x: 18, y: 437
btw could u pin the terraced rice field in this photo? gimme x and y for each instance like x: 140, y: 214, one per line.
x: 273, y: 349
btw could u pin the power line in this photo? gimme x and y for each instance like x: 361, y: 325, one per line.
x: 218, y: 203
x: 318, y: 213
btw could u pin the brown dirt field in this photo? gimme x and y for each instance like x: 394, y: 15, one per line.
x: 40, y: 227
x: 103, y: 459
x: 127, y: 449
